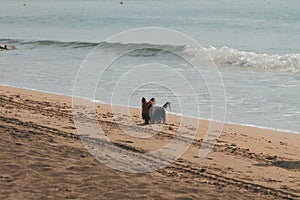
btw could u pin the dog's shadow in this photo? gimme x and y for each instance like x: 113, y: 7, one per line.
x: 142, y: 124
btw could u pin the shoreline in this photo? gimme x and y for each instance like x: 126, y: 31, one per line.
x: 170, y: 113
x: 42, y: 156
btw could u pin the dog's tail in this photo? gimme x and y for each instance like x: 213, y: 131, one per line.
x: 166, y: 105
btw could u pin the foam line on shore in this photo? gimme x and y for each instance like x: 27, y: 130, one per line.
x: 172, y: 113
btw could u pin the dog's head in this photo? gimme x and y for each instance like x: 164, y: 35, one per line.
x: 146, y: 105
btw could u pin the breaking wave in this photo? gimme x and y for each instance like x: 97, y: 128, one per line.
x: 221, y: 56
x: 225, y: 56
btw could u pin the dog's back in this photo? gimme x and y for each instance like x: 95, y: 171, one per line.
x: 158, y: 115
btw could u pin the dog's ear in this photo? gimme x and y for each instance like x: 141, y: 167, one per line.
x: 152, y: 101
x: 144, y: 100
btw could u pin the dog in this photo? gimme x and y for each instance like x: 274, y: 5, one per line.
x: 154, y: 114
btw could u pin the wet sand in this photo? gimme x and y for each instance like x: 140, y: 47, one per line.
x: 43, y: 157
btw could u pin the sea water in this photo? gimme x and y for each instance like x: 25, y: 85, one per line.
x: 255, y: 46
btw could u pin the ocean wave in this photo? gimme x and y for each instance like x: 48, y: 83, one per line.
x: 221, y: 56
x: 104, y: 44
x: 225, y: 56
x: 71, y: 44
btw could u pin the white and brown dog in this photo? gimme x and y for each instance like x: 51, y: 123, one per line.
x: 154, y: 114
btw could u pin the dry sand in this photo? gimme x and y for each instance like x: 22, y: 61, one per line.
x: 42, y: 157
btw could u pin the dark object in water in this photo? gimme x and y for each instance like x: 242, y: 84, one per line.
x: 7, y: 47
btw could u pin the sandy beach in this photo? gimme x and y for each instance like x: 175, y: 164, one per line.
x: 42, y: 157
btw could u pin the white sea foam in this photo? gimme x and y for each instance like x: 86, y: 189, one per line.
x: 225, y: 56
